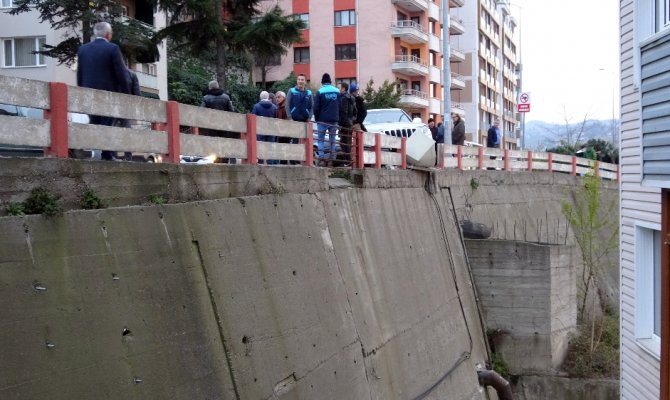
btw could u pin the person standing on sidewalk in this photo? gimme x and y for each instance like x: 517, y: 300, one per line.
x: 327, y: 115
x: 347, y: 118
x: 265, y: 108
x: 493, y: 137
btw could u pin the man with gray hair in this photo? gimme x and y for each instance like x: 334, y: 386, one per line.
x: 216, y: 98
x: 100, y: 66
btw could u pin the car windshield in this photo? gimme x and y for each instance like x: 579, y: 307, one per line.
x: 385, y: 116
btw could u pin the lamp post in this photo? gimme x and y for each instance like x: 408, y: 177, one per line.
x: 446, y: 73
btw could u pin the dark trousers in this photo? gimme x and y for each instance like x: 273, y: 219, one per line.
x: 346, y: 141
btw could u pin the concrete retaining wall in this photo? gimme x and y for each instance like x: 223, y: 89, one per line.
x: 528, y: 295
x: 552, y: 387
x: 345, y: 294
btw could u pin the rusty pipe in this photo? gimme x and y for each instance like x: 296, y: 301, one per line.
x: 500, y: 384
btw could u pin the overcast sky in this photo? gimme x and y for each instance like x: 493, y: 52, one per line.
x: 570, y: 55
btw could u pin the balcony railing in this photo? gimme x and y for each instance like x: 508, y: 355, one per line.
x: 409, y: 31
x: 414, y: 98
x: 456, y: 55
x: 412, y: 5
x: 457, y: 81
x: 456, y: 26
x: 410, y: 65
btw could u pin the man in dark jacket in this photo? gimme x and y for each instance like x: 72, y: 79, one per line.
x: 458, y: 131
x: 265, y: 108
x: 327, y: 115
x: 361, y: 108
x: 493, y: 137
x: 100, y: 66
x: 347, y: 118
x: 216, y: 98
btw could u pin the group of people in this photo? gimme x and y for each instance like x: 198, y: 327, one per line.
x: 457, y: 131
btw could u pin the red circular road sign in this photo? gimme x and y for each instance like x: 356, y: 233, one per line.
x: 524, y: 98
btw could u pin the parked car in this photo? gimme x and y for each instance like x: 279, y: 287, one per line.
x: 394, y: 122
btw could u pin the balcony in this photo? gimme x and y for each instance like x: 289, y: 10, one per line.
x: 409, y: 31
x: 409, y: 65
x: 434, y: 11
x: 435, y: 43
x: 435, y: 106
x: 456, y: 26
x: 456, y: 55
x: 412, y: 5
x: 457, y: 108
x: 147, y: 80
x: 457, y: 81
x: 414, y: 99
x: 456, y: 3
x: 435, y: 74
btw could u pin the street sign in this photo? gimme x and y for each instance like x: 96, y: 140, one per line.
x: 524, y: 103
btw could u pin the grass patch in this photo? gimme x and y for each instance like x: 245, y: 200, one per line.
x: 157, y: 199
x: 15, y: 209
x: 42, y: 201
x: 498, y: 363
x: 341, y: 173
x: 271, y: 188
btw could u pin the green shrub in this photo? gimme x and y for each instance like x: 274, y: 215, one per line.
x: 91, y: 201
x: 157, y: 199
x: 41, y: 201
x: 15, y: 209
x: 594, y: 350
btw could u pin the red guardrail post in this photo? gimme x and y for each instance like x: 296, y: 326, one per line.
x: 360, y: 149
x: 58, y: 119
x: 459, y: 155
x: 550, y: 162
x: 574, y: 165
x: 403, y: 153
x: 506, y: 162
x: 480, y: 164
x: 597, y: 168
x: 252, y: 148
x: 378, y: 150
x: 440, y: 156
x: 172, y: 116
x: 196, y: 130
x: 530, y: 160
x: 309, y: 146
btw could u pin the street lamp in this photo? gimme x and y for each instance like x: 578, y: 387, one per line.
x: 446, y: 73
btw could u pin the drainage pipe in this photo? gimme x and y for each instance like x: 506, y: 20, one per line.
x: 492, y: 378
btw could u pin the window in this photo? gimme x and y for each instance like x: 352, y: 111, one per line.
x: 648, y: 286
x: 304, y: 18
x: 345, y: 52
x: 348, y: 81
x: 268, y: 61
x: 662, y: 14
x: 7, y: 4
x: 18, y: 52
x: 301, y: 55
x: 345, y: 18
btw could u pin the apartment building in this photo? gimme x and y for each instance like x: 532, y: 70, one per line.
x: 490, y: 69
x: 645, y: 199
x: 355, y: 41
x: 402, y: 40
x: 22, y: 34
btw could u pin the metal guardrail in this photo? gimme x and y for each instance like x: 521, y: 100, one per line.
x: 415, y: 93
x: 410, y: 59
x: 407, y: 23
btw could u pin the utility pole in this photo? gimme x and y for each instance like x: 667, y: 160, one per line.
x: 446, y: 73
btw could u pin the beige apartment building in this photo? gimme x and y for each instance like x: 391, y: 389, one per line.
x: 401, y: 40
x: 22, y: 34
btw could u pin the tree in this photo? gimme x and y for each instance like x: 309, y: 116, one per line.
x: 571, y: 134
x: 285, y: 84
x: 223, y: 26
x: 75, y: 19
x: 386, y: 96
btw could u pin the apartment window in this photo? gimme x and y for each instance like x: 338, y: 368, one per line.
x: 433, y: 58
x: 304, y: 18
x: 433, y: 89
x: 648, y: 287
x: 662, y: 14
x: 345, y: 52
x: 7, y: 4
x: 416, y: 85
x: 18, y: 52
x: 345, y: 18
x: 301, y: 55
x: 431, y: 26
x: 348, y: 81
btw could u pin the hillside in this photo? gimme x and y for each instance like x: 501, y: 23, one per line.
x: 542, y: 135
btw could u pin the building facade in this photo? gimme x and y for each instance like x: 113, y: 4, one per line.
x: 21, y: 34
x: 401, y: 40
x: 645, y: 199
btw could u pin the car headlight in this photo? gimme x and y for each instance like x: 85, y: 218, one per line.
x: 211, y: 158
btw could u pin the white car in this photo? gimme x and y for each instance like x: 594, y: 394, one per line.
x: 394, y: 122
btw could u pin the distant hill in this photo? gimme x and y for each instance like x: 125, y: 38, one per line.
x: 542, y: 135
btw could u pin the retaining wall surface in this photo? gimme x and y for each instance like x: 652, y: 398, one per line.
x: 344, y: 294
x: 553, y: 387
x: 528, y: 296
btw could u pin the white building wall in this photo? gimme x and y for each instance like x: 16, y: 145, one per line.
x: 376, y: 51
x: 639, y: 369
x: 469, y: 44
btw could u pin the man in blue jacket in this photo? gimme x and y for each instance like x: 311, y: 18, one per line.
x: 299, y: 101
x: 265, y: 108
x: 100, y: 66
x: 327, y: 115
